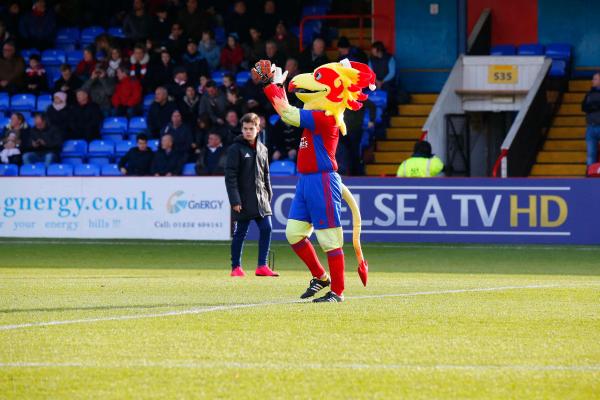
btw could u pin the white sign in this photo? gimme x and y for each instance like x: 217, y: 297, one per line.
x: 119, y: 208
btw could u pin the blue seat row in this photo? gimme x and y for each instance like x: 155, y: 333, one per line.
x: 24, y: 102
x: 240, y: 78
x: 100, y: 148
x: 60, y: 170
x: 560, y: 53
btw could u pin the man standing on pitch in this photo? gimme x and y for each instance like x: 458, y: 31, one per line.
x: 249, y: 191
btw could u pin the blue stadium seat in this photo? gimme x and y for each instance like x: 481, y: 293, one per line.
x: 101, y: 148
x: 189, y: 169
x: 53, y: 57
x: 28, y: 118
x: 533, y: 49
x: 379, y: 98
x: 43, y: 101
x: 220, y: 37
x: 282, y: 168
x: 137, y: 125
x: 4, y: 121
x: 148, y: 100
x: 74, y: 148
x: 9, y: 170
x: 154, y: 144
x: 217, y: 76
x: 53, y: 74
x: 110, y: 170
x: 312, y: 29
x: 273, y: 119
x: 86, y: 170
x: 116, y: 31
x: 99, y: 161
x: 4, y: 101
x: 503, y: 50
x: 72, y: 160
x: 26, y: 53
x: 112, y: 137
x: 23, y: 102
x: 67, y: 35
x: 73, y: 57
x: 88, y: 35
x: 559, y: 51
x: 558, y: 68
x: 32, y: 170
x: 242, y: 77
x: 59, y: 170
x: 114, y: 125
x: 123, y: 146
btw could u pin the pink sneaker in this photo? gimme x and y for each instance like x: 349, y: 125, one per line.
x: 238, y: 271
x: 264, y: 270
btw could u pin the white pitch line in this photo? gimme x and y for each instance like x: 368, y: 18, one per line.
x: 230, y: 307
x: 303, y: 366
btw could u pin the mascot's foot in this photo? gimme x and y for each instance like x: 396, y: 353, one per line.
x: 330, y: 297
x: 238, y: 271
x: 264, y: 270
x: 314, y: 286
x: 363, y: 272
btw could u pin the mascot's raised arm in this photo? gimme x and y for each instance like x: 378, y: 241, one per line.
x: 326, y: 93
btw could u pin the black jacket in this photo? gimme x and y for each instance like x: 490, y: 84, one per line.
x: 86, y: 121
x: 591, y: 106
x: 136, y: 162
x: 247, y: 179
x: 164, y: 163
x: 51, y: 135
x: 159, y: 117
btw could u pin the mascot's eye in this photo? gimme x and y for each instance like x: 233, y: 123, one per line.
x: 318, y: 76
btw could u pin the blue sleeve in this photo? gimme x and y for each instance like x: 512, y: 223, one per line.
x: 391, y: 70
x: 307, y: 120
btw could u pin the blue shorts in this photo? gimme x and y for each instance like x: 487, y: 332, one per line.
x: 318, y: 200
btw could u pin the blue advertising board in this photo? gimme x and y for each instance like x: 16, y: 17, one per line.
x: 467, y: 210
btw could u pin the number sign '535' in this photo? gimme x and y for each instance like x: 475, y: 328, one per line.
x: 503, y: 74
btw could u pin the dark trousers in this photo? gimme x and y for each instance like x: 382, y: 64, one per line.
x: 264, y: 242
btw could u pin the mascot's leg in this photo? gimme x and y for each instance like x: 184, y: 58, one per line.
x: 297, y: 233
x: 332, y: 243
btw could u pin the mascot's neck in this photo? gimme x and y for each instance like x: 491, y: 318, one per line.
x: 336, y: 112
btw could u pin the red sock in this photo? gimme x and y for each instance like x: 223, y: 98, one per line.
x: 306, y: 252
x: 335, y: 258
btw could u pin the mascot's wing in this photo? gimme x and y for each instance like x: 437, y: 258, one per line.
x: 288, y: 113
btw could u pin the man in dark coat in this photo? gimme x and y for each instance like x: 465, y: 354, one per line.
x: 160, y: 112
x: 138, y: 160
x: 42, y: 144
x: 86, y: 118
x: 167, y: 161
x: 249, y: 190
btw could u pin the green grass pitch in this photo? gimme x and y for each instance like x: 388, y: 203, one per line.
x: 141, y: 319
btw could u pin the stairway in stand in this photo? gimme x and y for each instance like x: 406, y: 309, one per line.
x: 404, y: 131
x: 564, y: 153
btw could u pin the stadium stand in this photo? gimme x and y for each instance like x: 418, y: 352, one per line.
x: 282, y: 168
x: 59, y: 170
x: 86, y: 170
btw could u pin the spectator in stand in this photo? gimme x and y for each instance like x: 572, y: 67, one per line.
x: 232, y: 54
x: 58, y: 113
x: 38, y: 27
x: 36, y: 80
x: 87, y: 65
x: 204, y: 79
x: 161, y: 25
x: 284, y: 141
x: 114, y: 62
x: 67, y: 82
x: 138, y: 160
x: 16, y: 125
x: 273, y: 54
x: 253, y: 93
x: 160, y: 72
x: 137, y: 23
x: 269, y: 19
x: 203, y: 128
x: 213, y: 103
x: 231, y: 129
x: 138, y: 63
x: 351, y: 141
x: 167, y: 161
x: 193, y: 20
x: 256, y: 49
x: 104, y: 44
x: 384, y: 66
x: 181, y: 133
x: 127, y: 99
x: 11, y: 18
x: 212, y: 157
x: 239, y: 21
x: 176, y: 87
x: 236, y: 102
x: 160, y: 112
x: 352, y: 53
x: 5, y: 35
x: 422, y: 164
x: 194, y: 62
x: 291, y: 66
x: 176, y: 42
x: 189, y: 105
x: 10, y: 154
x: 86, y: 118
x: 314, y: 56
x: 591, y: 107
x: 287, y: 43
x: 12, y: 69
x: 101, y: 89
x: 209, y: 50
x: 43, y: 143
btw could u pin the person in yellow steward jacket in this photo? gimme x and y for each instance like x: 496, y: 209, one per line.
x: 422, y: 164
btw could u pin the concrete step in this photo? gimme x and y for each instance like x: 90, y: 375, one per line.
x: 395, y: 145
x: 564, y: 145
x: 415, y: 109
x: 381, y: 169
x: 567, y: 133
x: 573, y: 98
x: 558, y: 170
x: 391, y: 157
x: 404, y: 133
x: 579, y: 85
x: 407, y: 122
x: 569, y: 121
x: 570, y: 109
x: 423, y: 98
x: 561, y: 157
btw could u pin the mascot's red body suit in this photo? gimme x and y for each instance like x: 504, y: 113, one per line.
x: 326, y: 94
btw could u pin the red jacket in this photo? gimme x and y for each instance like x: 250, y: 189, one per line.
x: 231, y: 58
x: 128, y: 93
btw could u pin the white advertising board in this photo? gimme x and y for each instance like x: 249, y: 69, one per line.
x: 118, y: 208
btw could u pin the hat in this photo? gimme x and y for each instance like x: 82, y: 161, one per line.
x: 343, y: 43
x: 235, y: 36
x: 191, y: 40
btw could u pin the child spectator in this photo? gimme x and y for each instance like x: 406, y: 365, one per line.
x: 10, y: 153
x: 228, y: 82
x: 212, y: 157
x: 232, y: 54
x: 86, y: 66
x: 138, y: 160
x: 35, y: 76
x: 209, y: 50
x: 128, y: 94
